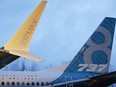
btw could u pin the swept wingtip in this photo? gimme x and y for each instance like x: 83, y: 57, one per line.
x: 45, y: 0
x: 38, y: 59
x: 41, y: 61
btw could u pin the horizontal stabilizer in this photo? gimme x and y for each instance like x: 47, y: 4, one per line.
x: 25, y: 54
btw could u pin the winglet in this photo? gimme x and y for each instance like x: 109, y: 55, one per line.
x: 45, y: 0
x: 21, y: 40
x: 25, y: 54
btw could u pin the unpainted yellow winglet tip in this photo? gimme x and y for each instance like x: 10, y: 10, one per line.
x: 45, y: 0
x: 42, y: 61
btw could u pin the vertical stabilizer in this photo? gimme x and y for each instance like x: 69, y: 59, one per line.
x: 94, y: 57
x: 95, y: 54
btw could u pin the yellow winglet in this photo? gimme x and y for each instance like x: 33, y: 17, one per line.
x: 25, y: 54
x: 19, y: 44
x: 22, y: 38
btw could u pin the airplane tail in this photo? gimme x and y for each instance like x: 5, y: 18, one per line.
x: 19, y: 44
x: 94, y: 57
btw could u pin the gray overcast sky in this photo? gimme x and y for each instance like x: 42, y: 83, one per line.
x: 64, y: 27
